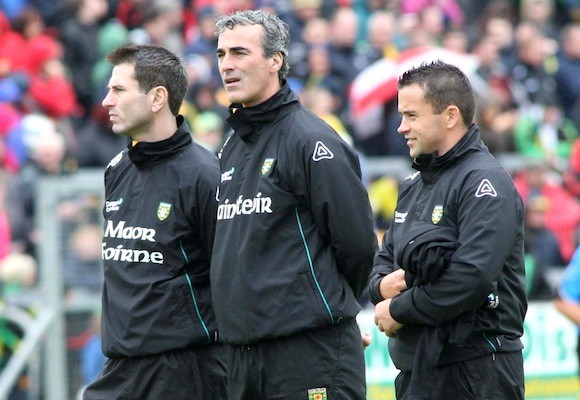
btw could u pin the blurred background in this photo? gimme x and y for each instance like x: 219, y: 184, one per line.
x: 522, y: 57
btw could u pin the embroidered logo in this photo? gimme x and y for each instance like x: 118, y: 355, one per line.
x: 267, y: 165
x: 400, y: 217
x: 163, y: 211
x: 113, y: 205
x: 437, y: 214
x: 322, y: 152
x: 485, y: 189
x: 317, y: 394
x: 227, y: 176
x: 115, y: 160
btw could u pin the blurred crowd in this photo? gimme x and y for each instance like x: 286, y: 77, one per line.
x: 53, y: 77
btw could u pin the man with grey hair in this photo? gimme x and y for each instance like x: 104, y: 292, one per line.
x: 294, y: 234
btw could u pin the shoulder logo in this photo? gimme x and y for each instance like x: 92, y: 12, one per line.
x: 485, y: 189
x: 322, y: 152
x: 267, y: 165
x: 437, y: 214
x: 163, y: 211
x: 115, y: 160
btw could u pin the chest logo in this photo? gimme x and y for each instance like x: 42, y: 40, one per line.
x: 227, y: 176
x: 267, y: 165
x: 163, y: 211
x: 437, y: 214
x: 322, y: 152
x: 485, y: 189
x: 317, y: 394
x: 113, y: 205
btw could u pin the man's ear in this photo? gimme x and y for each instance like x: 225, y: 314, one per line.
x: 158, y: 98
x: 276, y: 61
x: 454, y: 117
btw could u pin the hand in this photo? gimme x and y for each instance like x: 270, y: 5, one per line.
x: 393, y: 284
x: 366, y: 339
x: 384, y: 321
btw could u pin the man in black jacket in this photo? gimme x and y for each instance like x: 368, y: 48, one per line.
x: 294, y: 235
x: 456, y: 334
x: 158, y: 326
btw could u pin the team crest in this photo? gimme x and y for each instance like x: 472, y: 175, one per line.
x: 267, y: 165
x: 317, y: 394
x: 437, y: 214
x: 163, y: 211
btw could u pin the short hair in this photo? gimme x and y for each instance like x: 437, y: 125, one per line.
x: 444, y: 85
x: 275, y: 39
x: 155, y: 66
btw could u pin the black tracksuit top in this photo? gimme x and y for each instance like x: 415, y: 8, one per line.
x: 469, y: 191
x: 158, y: 232
x: 294, y: 234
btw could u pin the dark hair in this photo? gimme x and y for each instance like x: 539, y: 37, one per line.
x: 155, y: 66
x: 444, y: 85
x: 276, y: 37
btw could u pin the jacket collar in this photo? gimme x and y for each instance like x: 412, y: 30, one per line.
x: 144, y: 154
x: 246, y: 120
x: 431, y: 165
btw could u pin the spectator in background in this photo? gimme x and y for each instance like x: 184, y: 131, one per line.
x: 568, y: 301
x: 541, y: 249
x: 51, y: 89
x: 79, y: 36
x: 346, y: 61
x: 316, y: 34
x: 380, y: 35
x: 112, y: 35
x: 540, y: 13
x: 208, y: 130
x: 160, y: 25
x: 541, y: 129
x: 568, y: 71
x: 97, y: 144
x: 571, y: 176
x: 562, y: 215
x: 46, y: 156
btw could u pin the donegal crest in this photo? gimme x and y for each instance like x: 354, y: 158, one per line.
x: 317, y: 394
x: 163, y: 211
x: 437, y: 214
x: 267, y: 165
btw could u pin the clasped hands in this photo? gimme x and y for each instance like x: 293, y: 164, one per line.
x: 390, y: 286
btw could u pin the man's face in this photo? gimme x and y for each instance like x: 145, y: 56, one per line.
x: 129, y: 108
x: 424, y: 131
x: 248, y: 77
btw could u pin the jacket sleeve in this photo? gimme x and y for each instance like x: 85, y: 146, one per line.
x: 490, y: 224
x: 383, y: 265
x: 327, y: 180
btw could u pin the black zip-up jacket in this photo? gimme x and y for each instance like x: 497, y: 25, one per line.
x: 294, y: 235
x: 468, y: 190
x: 158, y: 233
